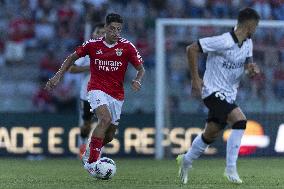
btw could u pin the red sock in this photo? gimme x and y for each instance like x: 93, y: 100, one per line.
x: 95, y: 148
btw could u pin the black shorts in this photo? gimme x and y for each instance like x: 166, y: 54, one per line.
x: 219, y: 108
x: 86, y: 113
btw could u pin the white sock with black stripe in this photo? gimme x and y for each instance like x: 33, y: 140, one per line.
x: 197, y: 148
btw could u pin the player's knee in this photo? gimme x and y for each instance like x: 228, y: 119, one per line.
x: 209, y: 138
x: 240, y: 124
x: 210, y: 135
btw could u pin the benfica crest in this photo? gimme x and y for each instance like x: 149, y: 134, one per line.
x: 118, y: 52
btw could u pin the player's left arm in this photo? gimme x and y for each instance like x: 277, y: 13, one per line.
x: 68, y: 62
x: 137, y: 61
x: 251, y: 68
x: 137, y: 82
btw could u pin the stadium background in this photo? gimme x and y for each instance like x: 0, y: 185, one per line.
x: 36, y: 36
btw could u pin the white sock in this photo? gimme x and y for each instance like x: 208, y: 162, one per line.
x: 197, y: 148
x: 233, y: 147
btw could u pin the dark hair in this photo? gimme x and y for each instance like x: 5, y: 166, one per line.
x: 248, y: 14
x: 112, y: 17
x: 99, y: 26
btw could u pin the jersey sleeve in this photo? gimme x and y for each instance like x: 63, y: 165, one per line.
x: 216, y: 43
x: 134, y: 56
x: 83, y: 50
x: 249, y: 58
x: 250, y: 50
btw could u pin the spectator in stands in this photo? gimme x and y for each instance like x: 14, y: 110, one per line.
x: 263, y: 8
x: 44, y: 32
x: 134, y: 13
x: 20, y: 31
x: 45, y: 17
x: 66, y: 12
x: 278, y: 9
x: 219, y: 8
x: 49, y: 64
x: 65, y: 94
x: 196, y: 8
x: 43, y: 100
x: 145, y: 49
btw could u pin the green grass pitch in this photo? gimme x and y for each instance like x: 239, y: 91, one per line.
x: 139, y: 173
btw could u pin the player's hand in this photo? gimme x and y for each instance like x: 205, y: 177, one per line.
x: 252, y: 69
x: 52, y: 83
x: 197, y: 84
x: 136, y: 85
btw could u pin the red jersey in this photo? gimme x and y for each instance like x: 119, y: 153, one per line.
x: 108, y: 64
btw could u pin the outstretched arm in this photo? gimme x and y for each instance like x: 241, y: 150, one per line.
x: 192, y: 52
x: 60, y: 73
x: 136, y: 83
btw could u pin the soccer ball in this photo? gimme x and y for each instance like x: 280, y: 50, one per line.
x: 105, y: 168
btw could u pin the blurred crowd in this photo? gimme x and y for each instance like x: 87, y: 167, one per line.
x: 51, y: 29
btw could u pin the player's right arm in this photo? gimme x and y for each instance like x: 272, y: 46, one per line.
x: 251, y: 68
x: 81, y: 51
x: 205, y: 45
x: 192, y: 52
x: 60, y: 73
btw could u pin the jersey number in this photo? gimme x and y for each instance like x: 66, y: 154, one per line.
x: 220, y: 95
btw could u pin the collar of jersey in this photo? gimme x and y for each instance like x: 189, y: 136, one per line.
x: 235, y: 38
x: 108, y: 45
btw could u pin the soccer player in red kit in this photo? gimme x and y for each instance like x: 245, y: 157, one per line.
x: 109, y: 57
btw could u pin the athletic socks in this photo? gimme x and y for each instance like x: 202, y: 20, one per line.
x: 233, y: 147
x: 95, y: 149
x: 197, y: 148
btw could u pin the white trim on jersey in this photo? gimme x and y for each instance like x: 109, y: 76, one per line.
x: 122, y: 40
x: 109, y: 45
x: 216, y: 43
x: 92, y: 41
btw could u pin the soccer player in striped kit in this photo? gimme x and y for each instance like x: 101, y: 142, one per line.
x: 229, y: 56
